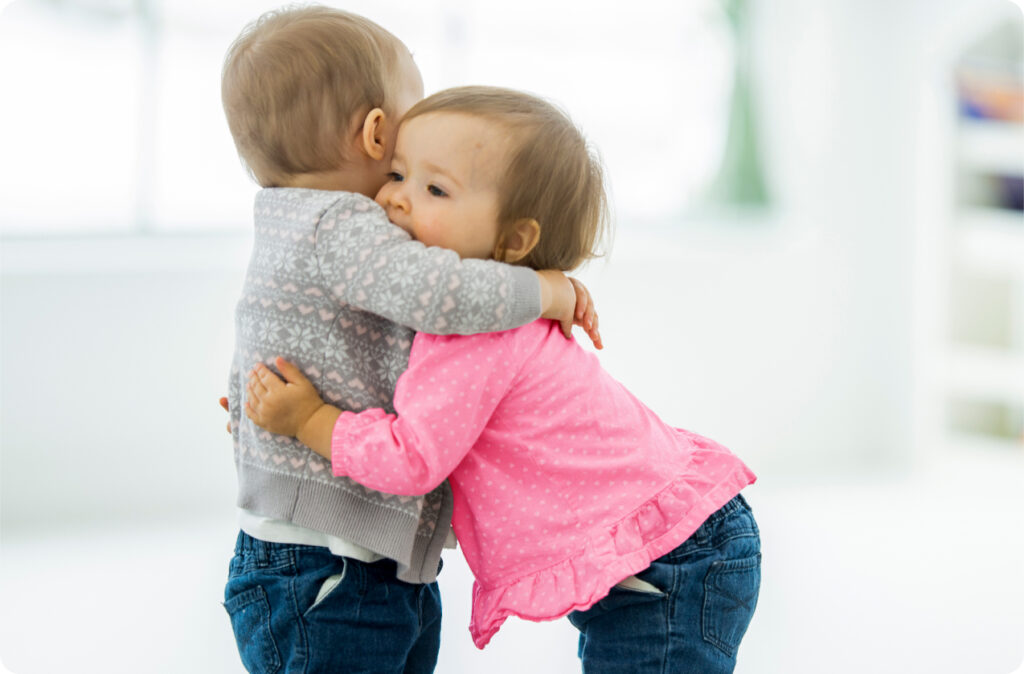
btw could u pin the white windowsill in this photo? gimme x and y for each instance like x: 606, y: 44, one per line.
x: 632, y: 240
x: 125, y: 253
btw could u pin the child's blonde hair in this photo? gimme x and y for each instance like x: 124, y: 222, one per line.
x: 552, y: 175
x: 294, y: 82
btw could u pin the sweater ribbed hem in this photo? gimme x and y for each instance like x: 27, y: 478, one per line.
x: 427, y: 548
x: 388, y: 531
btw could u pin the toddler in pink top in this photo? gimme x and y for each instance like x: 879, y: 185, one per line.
x: 571, y: 496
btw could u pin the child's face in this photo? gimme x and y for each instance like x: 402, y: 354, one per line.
x: 444, y: 182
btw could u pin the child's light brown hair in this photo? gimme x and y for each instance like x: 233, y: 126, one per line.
x: 552, y: 176
x: 294, y: 82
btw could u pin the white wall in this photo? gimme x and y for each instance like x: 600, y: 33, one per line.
x: 114, y: 354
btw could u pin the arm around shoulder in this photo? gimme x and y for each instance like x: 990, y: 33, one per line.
x: 369, y: 263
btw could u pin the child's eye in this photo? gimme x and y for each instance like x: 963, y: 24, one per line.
x: 395, y: 177
x: 436, y: 191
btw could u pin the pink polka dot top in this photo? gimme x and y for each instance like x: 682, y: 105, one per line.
x: 564, y: 483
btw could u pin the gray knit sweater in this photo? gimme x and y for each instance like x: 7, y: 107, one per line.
x: 337, y: 289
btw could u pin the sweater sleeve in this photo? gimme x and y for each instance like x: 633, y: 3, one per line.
x: 371, y: 264
x: 443, y: 403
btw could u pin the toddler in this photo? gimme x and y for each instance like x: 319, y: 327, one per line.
x: 329, y: 575
x: 571, y: 497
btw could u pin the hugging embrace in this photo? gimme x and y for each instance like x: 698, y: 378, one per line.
x: 405, y: 380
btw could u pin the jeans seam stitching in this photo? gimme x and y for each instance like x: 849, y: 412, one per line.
x: 669, y: 605
x: 300, y: 621
x: 705, y: 631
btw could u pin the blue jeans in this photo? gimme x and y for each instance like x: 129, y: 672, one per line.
x: 701, y: 598
x: 299, y: 608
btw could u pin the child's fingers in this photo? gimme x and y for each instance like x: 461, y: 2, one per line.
x: 595, y: 334
x: 566, y: 328
x: 586, y: 313
x: 224, y: 403
x: 588, y: 317
x: 292, y: 374
x: 582, y: 297
x: 254, y: 396
x: 590, y: 322
x: 268, y: 379
x: 255, y: 385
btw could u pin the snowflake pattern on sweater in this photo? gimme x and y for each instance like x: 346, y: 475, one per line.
x: 338, y: 290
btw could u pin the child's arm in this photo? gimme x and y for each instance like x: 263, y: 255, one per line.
x: 443, y: 405
x: 371, y: 264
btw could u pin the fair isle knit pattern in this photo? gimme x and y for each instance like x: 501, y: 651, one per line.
x: 338, y: 290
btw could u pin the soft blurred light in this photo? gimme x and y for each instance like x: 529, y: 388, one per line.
x: 125, y: 99
x: 70, y: 122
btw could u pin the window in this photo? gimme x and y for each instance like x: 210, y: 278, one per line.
x: 116, y: 123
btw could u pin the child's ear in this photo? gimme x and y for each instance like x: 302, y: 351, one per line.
x: 373, y: 136
x: 517, y: 241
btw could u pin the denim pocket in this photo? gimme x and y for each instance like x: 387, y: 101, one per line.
x: 637, y: 584
x: 730, y: 595
x: 250, y: 620
x: 617, y: 599
x: 329, y: 585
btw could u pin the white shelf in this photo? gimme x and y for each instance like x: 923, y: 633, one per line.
x: 961, y: 383
x: 991, y: 240
x: 984, y: 444
x: 992, y: 147
x: 986, y: 373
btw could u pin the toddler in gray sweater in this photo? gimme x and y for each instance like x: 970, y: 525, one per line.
x: 313, y: 97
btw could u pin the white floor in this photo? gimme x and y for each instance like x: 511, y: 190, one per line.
x: 883, y: 574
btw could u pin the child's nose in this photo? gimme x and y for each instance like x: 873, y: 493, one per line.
x: 397, y: 197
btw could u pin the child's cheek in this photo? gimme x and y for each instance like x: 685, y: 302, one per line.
x: 431, y: 233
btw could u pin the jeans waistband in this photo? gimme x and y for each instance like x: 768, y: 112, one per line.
x: 246, y: 543
x: 736, y: 503
x: 265, y: 551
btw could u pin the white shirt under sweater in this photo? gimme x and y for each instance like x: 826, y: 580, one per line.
x: 281, y: 531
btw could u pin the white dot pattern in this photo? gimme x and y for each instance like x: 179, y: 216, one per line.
x: 564, y: 482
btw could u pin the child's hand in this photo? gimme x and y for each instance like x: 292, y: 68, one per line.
x: 586, y: 313
x: 567, y: 301
x: 224, y: 403
x: 281, y: 407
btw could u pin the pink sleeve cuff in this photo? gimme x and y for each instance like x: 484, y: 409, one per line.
x: 350, y: 424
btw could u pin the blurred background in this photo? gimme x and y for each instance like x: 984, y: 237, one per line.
x: 818, y: 261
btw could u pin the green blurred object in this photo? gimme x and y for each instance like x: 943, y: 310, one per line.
x: 740, y: 179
